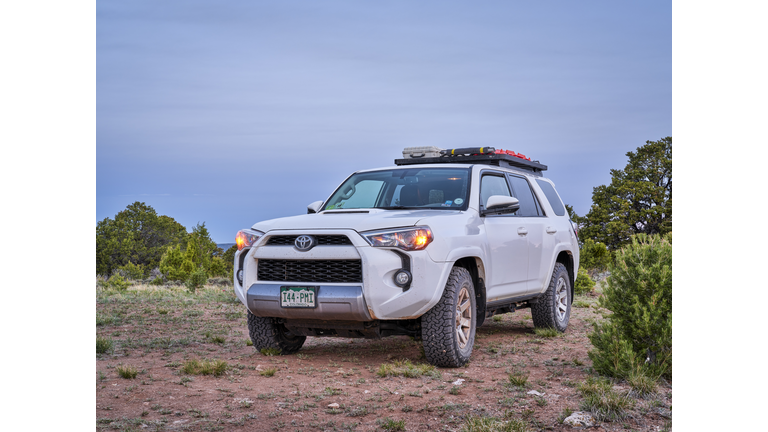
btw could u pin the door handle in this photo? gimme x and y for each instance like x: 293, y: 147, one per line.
x: 551, y: 230
x: 522, y: 231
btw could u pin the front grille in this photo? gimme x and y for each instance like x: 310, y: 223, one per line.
x: 322, y: 240
x: 310, y: 270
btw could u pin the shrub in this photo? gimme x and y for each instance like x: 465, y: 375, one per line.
x: 103, y: 345
x: 518, y: 379
x: 117, y: 282
x: 492, y: 424
x: 594, y: 256
x: 584, y: 284
x: 217, y: 267
x: 201, y: 253
x: 131, y: 271
x: 602, y: 401
x: 127, y: 372
x: 546, y: 332
x: 268, y: 372
x: 638, y: 335
x: 172, y: 264
x: 196, y: 280
x: 390, y: 424
x: 204, y: 367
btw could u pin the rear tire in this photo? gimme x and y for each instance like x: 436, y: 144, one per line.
x: 448, y: 329
x: 267, y: 333
x: 553, y: 308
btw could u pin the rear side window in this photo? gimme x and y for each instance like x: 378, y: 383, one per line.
x: 552, y: 197
x: 524, y: 194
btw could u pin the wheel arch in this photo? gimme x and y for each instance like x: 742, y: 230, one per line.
x: 566, y: 259
x: 476, y: 269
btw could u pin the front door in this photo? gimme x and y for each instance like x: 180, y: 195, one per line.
x: 507, y: 274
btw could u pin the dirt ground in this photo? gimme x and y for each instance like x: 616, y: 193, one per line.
x: 156, y: 331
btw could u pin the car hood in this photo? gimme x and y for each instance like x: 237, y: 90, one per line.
x: 358, y: 220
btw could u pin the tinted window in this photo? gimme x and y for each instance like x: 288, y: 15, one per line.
x: 492, y: 185
x: 523, y: 193
x: 552, y: 197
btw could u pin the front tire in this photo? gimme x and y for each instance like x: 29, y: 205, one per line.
x: 266, y: 333
x: 448, y: 329
x: 553, y: 308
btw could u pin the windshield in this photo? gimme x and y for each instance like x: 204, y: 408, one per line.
x: 433, y: 188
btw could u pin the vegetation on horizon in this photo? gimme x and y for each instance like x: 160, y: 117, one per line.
x: 138, y: 243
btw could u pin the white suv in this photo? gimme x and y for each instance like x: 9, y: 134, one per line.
x: 429, y: 249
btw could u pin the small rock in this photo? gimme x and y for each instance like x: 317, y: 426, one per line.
x: 366, y: 392
x: 333, y: 405
x: 146, y: 403
x: 580, y: 418
x: 535, y: 393
x: 458, y: 381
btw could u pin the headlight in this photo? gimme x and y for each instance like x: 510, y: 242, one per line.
x: 246, y: 238
x: 409, y: 239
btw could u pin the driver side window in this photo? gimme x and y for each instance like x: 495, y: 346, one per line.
x: 492, y: 185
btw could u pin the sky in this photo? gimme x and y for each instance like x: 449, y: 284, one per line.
x: 232, y: 113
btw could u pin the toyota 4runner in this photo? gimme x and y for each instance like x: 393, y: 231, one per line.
x: 429, y: 248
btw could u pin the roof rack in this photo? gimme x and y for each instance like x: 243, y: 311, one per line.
x: 500, y: 160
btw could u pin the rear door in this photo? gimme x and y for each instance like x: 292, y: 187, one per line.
x: 531, y: 216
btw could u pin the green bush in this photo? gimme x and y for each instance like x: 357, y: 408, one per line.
x: 217, y: 267
x: 132, y: 271
x: 172, y: 264
x: 584, y: 284
x: 196, y: 280
x: 637, y: 336
x: 117, y: 283
x: 594, y: 256
x: 200, y: 253
x: 103, y: 345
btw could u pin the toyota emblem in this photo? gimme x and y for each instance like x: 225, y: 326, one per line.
x: 304, y: 243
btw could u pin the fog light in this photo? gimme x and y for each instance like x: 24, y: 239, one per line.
x: 402, y: 278
x: 240, y: 277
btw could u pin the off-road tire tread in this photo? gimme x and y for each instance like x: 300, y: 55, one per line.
x: 438, y: 326
x: 266, y: 333
x: 543, y: 311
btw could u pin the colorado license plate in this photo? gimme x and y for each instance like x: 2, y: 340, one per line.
x: 298, y: 296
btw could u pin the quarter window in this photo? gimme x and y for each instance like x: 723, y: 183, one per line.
x: 552, y: 197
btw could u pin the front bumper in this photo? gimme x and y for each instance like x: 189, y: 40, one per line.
x: 377, y: 297
x: 340, y: 302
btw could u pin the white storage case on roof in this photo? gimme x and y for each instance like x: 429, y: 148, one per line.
x: 421, y: 152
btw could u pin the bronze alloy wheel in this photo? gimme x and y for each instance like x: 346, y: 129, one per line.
x: 463, y: 318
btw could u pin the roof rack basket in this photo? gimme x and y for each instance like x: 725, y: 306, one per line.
x: 500, y: 160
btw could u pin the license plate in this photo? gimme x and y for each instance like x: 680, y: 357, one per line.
x: 298, y: 296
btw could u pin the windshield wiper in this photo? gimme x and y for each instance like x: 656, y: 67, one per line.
x: 400, y: 208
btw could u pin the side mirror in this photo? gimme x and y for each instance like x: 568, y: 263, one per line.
x: 315, y: 207
x: 500, y: 204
